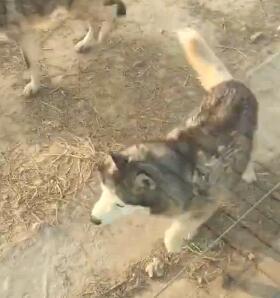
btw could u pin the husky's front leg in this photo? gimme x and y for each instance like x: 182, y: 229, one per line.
x: 87, y: 42
x: 105, y: 29
x: 185, y: 227
x: 249, y: 175
x: 174, y: 236
x: 30, y: 46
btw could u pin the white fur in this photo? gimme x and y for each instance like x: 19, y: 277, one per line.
x: 174, y: 133
x: 210, y: 69
x: 104, y: 31
x: 30, y: 46
x: 174, y: 236
x: 86, y: 42
x: 185, y: 227
x: 107, y: 208
x: 34, y: 85
x: 249, y: 174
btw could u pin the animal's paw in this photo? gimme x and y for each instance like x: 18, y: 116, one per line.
x: 249, y: 175
x: 30, y: 89
x: 191, y: 235
x: 82, y: 47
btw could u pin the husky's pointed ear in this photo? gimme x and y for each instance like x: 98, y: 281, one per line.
x: 119, y: 160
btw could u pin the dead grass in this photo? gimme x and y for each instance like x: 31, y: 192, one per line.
x: 201, y: 271
x: 35, y: 185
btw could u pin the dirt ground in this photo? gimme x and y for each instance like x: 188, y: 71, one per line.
x: 135, y: 86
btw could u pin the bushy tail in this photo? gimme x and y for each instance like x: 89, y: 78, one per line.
x: 210, y: 69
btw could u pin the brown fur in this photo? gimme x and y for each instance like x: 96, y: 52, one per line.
x: 229, y: 108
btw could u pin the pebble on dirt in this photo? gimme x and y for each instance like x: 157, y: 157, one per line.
x: 256, y: 36
x: 251, y: 256
x: 155, y: 269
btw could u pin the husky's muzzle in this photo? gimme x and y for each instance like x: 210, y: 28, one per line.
x: 110, y: 208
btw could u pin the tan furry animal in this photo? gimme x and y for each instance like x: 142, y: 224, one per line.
x: 20, y: 18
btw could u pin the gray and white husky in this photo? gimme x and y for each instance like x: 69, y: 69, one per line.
x: 191, y: 173
x: 19, y: 20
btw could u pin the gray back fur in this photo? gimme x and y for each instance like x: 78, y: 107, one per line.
x: 209, y: 155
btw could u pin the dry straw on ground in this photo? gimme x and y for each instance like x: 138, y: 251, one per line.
x: 200, y: 270
x: 34, y: 185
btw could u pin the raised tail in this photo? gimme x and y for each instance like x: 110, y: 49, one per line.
x: 210, y: 69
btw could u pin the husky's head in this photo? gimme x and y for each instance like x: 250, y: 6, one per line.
x: 155, y: 177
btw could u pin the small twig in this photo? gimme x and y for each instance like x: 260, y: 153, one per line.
x: 199, y: 253
x: 62, y: 69
x: 144, y: 71
x: 67, y: 155
x: 114, y: 287
x: 54, y: 90
x: 36, y: 217
x: 59, y: 156
x: 224, y: 24
x: 234, y: 49
x: 51, y: 106
x: 155, y: 119
x: 187, y: 80
x: 59, y: 190
x: 91, y: 146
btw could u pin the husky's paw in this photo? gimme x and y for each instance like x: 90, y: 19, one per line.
x: 30, y: 89
x: 82, y: 47
x: 249, y: 175
x: 191, y: 235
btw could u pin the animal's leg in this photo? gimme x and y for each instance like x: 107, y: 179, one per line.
x: 186, y: 227
x: 30, y: 47
x: 175, y: 133
x: 86, y: 43
x: 105, y: 29
x: 249, y: 174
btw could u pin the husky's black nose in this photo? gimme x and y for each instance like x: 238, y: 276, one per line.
x: 95, y: 220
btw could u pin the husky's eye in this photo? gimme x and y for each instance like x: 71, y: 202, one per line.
x: 120, y: 206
